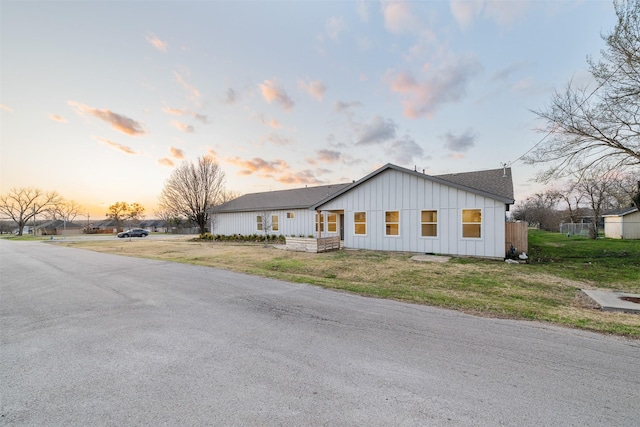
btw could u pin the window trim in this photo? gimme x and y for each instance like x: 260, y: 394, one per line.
x: 462, y: 223
x: 437, y: 223
x: 275, y: 223
x: 386, y: 223
x: 259, y: 223
x: 322, y: 221
x: 360, y: 222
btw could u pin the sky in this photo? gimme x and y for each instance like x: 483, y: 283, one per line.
x: 101, y: 101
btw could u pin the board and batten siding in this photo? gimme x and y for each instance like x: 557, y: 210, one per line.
x: 408, y: 194
x: 244, y: 223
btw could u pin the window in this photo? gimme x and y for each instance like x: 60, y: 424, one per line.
x: 471, y: 223
x: 332, y: 223
x: 360, y: 223
x: 429, y: 223
x: 259, y: 222
x: 274, y: 223
x: 321, y: 222
x: 290, y: 215
x: 392, y: 223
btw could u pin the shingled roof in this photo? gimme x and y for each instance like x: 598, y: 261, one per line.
x: 298, y: 198
x: 496, y: 183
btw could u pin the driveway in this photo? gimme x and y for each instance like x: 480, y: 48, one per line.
x: 97, y: 339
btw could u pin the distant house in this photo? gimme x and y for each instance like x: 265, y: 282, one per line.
x: 391, y: 209
x: 58, y: 227
x: 622, y: 223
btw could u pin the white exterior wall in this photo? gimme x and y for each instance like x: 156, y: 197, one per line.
x: 244, y: 223
x: 397, y: 191
x: 622, y: 227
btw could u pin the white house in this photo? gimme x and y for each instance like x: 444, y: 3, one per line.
x: 622, y: 223
x: 392, y: 209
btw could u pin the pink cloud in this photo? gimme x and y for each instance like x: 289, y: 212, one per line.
x: 185, y: 112
x: 445, y: 85
x: 4, y: 107
x: 119, y: 122
x: 166, y: 162
x: 258, y: 165
x: 176, y: 153
x: 156, y: 42
x: 192, y: 89
x: 57, y: 118
x: 119, y: 147
x: 182, y: 126
x: 399, y: 17
x: 272, y: 92
x: 301, y: 177
x: 314, y: 88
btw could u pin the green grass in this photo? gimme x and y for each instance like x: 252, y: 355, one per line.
x: 608, y: 263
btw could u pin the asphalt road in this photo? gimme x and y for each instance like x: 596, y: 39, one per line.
x: 95, y: 339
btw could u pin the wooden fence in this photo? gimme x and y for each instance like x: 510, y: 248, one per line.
x: 516, y: 235
x: 323, y: 244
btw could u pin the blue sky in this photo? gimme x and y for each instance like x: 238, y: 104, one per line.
x: 101, y: 100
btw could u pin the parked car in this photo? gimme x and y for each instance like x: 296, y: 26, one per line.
x: 134, y: 232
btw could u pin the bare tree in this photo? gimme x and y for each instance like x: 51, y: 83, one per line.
x: 66, y: 210
x: 23, y: 204
x: 587, y: 128
x: 596, y: 188
x: 541, y: 209
x: 265, y: 224
x: 193, y: 189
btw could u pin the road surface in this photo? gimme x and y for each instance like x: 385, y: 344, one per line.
x: 97, y: 339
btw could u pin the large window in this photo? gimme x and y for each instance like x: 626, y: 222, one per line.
x: 471, y: 223
x: 360, y: 223
x: 274, y: 223
x: 332, y: 223
x: 429, y: 223
x: 392, y: 223
x: 259, y: 226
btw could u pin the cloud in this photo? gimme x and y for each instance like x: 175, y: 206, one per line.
x: 444, y: 85
x: 272, y: 92
x: 57, y: 118
x: 231, y: 97
x: 272, y: 123
x: 314, y: 88
x: 404, y: 150
x: 505, y: 73
x: 278, y: 140
x: 117, y: 121
x: 362, y: 7
x: 192, y: 89
x: 165, y: 161
x: 341, y: 106
x: 503, y: 13
x: 333, y: 27
x: 328, y: 156
x: 182, y: 126
x: 120, y: 147
x: 378, y: 131
x: 156, y: 42
x: 399, y: 17
x: 301, y: 177
x: 258, y: 165
x: 459, y: 143
x: 176, y: 153
x: 185, y: 112
x: 4, y: 107
x: 212, y: 153
x: 465, y: 11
